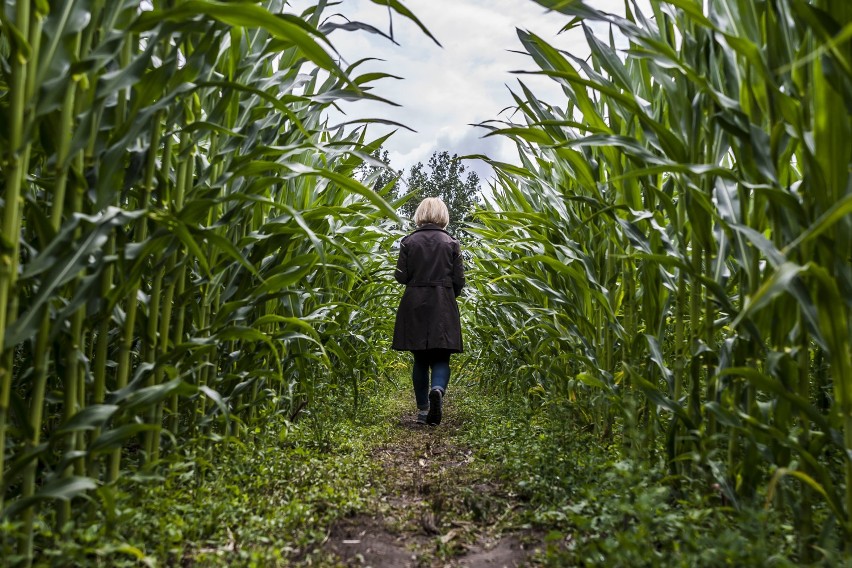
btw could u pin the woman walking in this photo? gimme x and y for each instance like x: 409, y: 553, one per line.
x: 427, y: 320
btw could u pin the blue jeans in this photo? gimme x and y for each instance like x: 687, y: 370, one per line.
x: 439, y: 361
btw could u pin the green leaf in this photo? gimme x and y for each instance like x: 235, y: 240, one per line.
x: 658, y: 398
x: 769, y: 384
x: 63, y: 262
x: 216, y: 398
x: 146, y: 397
x: 401, y: 9
x: 89, y: 418
x: 63, y: 489
x: 837, y: 212
x: 781, y: 281
x: 782, y: 472
x: 247, y: 15
x: 115, y: 438
x: 591, y: 381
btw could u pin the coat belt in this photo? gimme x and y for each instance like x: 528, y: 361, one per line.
x: 430, y: 283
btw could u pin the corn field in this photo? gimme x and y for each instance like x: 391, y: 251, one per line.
x: 673, y: 256
x: 184, y: 248
x: 186, y: 252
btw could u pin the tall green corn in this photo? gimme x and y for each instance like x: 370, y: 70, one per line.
x: 180, y: 227
x: 700, y: 179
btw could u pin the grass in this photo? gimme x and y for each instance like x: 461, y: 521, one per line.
x: 265, y: 502
x: 272, y: 500
x: 598, y: 507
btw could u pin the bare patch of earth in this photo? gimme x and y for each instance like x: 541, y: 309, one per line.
x: 435, y: 509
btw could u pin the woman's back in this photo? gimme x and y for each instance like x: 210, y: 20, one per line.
x: 430, y: 266
x: 428, y: 258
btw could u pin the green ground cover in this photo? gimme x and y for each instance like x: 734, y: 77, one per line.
x: 271, y: 499
x: 263, y: 501
x: 598, y: 506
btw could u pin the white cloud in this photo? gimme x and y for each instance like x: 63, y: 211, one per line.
x: 445, y: 90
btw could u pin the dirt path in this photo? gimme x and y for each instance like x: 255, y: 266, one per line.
x: 436, y: 507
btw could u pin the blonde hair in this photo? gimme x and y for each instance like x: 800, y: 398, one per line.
x: 432, y: 210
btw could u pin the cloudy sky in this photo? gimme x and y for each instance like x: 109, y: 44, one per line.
x: 444, y: 90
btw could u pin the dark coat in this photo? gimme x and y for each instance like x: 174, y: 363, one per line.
x: 430, y: 266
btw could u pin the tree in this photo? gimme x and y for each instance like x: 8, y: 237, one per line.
x: 445, y: 179
x: 378, y: 177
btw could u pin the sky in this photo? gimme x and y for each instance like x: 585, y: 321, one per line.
x: 444, y: 91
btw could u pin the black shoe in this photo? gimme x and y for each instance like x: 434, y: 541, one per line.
x: 436, y: 397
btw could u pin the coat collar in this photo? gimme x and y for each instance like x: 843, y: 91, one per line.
x: 429, y: 227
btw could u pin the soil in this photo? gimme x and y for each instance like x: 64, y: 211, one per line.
x: 434, y: 508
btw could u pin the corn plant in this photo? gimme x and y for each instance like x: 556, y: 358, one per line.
x: 672, y: 254
x: 185, y: 252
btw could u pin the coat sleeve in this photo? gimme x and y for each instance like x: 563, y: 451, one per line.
x: 458, y: 269
x: 401, y: 272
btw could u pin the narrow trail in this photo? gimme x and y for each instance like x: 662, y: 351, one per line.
x: 436, y: 505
